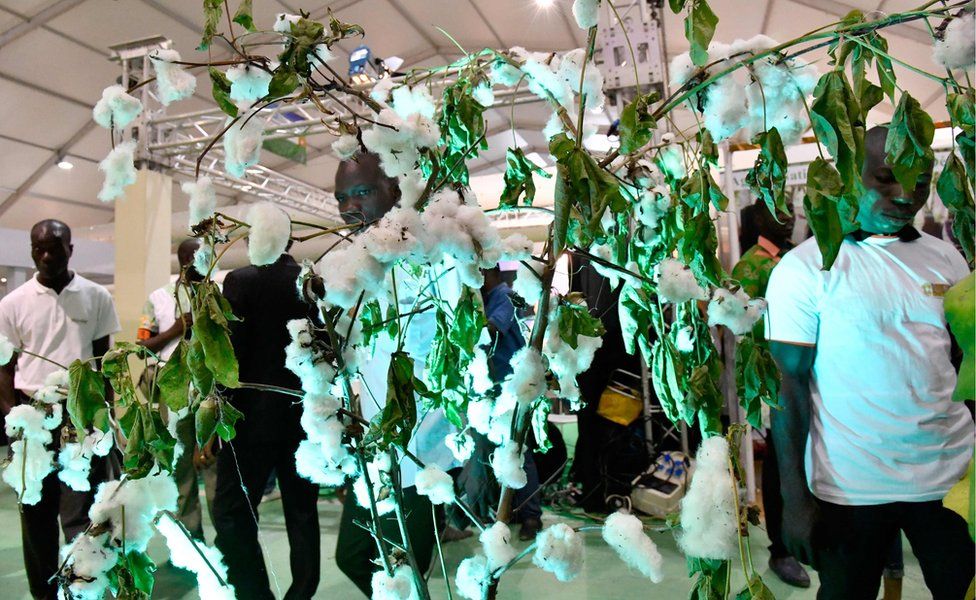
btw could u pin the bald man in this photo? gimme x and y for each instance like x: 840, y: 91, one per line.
x: 869, y: 440
x: 165, y: 319
x: 63, y: 316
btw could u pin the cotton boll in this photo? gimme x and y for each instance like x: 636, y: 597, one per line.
x: 461, y: 446
x: 709, y: 523
x: 398, y: 587
x: 625, y: 534
x: 129, y: 508
x: 378, y: 470
x: 203, y: 258
x: 307, y: 360
x: 399, y: 144
x: 6, y: 350
x: 248, y: 84
x: 381, y: 90
x: 412, y: 186
x: 185, y: 554
x: 413, y: 101
x: 320, y: 55
x: 587, y: 13
x: 120, y: 171
x: 528, y: 379
x: 173, y: 83
x: 566, y: 362
x: 528, y: 284
x: 684, y: 340
x: 269, y: 235
x: 116, y: 108
x: 496, y: 543
x: 653, y: 205
x: 88, y: 559
x: 362, y: 273
x: 75, y: 467
x: 957, y: 48
x: 284, y: 21
x: 516, y: 247
x: 203, y: 199
x: 676, y: 283
x: 472, y: 577
x: 681, y: 69
x: 310, y: 463
x: 345, y: 147
x: 500, y: 428
x: 242, y: 144
x: 570, y: 71
x: 484, y: 95
x: 507, y: 463
x: 559, y: 550
x: 543, y: 82
x: 479, y: 415
x: 503, y: 74
x: 726, y: 109
x: 434, y: 483
x: 30, y: 463
x: 736, y: 311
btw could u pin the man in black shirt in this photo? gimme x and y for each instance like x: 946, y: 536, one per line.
x: 265, y: 299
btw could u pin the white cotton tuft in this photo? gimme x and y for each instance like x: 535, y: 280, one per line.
x: 6, y: 350
x: 186, y: 554
x: 507, y: 463
x: 203, y: 198
x: 587, y: 13
x: 504, y: 74
x: 88, y: 560
x: 566, y: 362
x: 725, y: 110
x: 399, y: 144
x: 381, y: 89
x: 306, y: 359
x: 30, y: 463
x: 75, y: 466
x: 546, y: 84
x: 55, y: 388
x: 736, y: 311
x: 378, y: 470
x: 472, y: 577
x: 116, y: 108
x: 479, y: 415
x: 203, y: 258
x: 434, y: 483
x: 625, y: 534
x: 320, y: 55
x: 571, y: 69
x: 709, y: 524
x: 312, y: 464
x: 120, y: 171
x: 673, y: 162
x: 242, y: 144
x: 461, y: 445
x: 676, y: 283
x: 139, y: 500
x: 270, y: 232
x: 484, y: 95
x: 398, y: 587
x: 496, y: 543
x: 957, y: 48
x: 526, y: 383
x: 559, y: 550
x: 284, y: 21
x: 248, y: 84
x: 684, y: 340
x: 528, y: 284
x: 172, y: 82
x: 346, y: 146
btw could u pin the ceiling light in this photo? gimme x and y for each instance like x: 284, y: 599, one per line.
x: 63, y: 164
x: 246, y: 188
x: 3, y: 280
x: 544, y: 3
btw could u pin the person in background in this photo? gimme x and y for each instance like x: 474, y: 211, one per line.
x: 62, y: 316
x: 869, y: 440
x: 506, y: 340
x: 165, y: 320
x: 265, y: 300
x: 772, y: 240
x: 365, y: 194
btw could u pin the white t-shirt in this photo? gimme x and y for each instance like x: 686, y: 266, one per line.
x: 883, y: 426
x: 159, y: 313
x: 61, y: 326
x: 427, y: 441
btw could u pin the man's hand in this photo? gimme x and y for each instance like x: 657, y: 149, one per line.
x: 204, y: 457
x: 800, y: 525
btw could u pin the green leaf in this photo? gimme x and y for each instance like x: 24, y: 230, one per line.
x: 767, y: 177
x: 958, y: 303
x: 244, y: 17
x: 205, y: 420
x: 469, y: 321
x: 210, y: 316
x: 518, y: 178
x: 836, y: 118
x: 462, y: 125
x: 756, y: 378
x: 221, y: 91
x: 824, y: 192
x: 283, y: 82
x: 200, y: 376
x: 667, y: 376
x: 115, y: 368
x: 636, y: 125
x: 173, y: 379
x: 562, y: 206
x: 305, y: 35
x: 395, y: 424
x: 755, y: 590
x: 225, y: 423
x: 954, y: 189
x: 636, y: 311
x: 573, y: 320
x: 86, y: 395
x: 700, y: 189
x: 909, y: 142
x: 141, y: 567
x: 713, y: 578
x: 589, y: 189
x: 677, y: 5
x: 698, y: 245
x: 444, y: 358
x: 212, y: 11
x: 699, y: 29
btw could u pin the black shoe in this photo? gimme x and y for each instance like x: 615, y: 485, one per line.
x: 530, y: 529
x: 790, y: 571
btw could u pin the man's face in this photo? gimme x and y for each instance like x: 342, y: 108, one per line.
x: 363, y: 191
x: 185, y: 254
x: 886, y: 207
x: 50, y: 250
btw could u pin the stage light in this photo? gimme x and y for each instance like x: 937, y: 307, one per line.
x: 65, y: 165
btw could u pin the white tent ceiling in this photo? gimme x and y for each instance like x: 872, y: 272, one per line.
x: 54, y: 64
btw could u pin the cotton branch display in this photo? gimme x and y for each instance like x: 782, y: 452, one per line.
x: 643, y: 213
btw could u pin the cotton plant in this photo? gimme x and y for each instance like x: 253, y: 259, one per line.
x: 676, y: 283
x: 203, y: 198
x: 29, y: 428
x: 75, y: 458
x: 625, y: 534
x: 248, y: 84
x: 204, y: 561
x: 437, y: 485
x: 173, y: 82
x: 709, y: 520
x: 957, y: 47
x: 559, y: 550
x: 737, y: 310
x: 116, y: 109
x: 120, y: 171
x: 242, y: 143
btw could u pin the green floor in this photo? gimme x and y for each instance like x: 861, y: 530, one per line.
x: 603, y: 576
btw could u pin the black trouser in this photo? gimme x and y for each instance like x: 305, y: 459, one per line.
x: 235, y: 518
x: 39, y: 523
x: 773, y: 500
x: 356, y: 549
x: 852, y: 548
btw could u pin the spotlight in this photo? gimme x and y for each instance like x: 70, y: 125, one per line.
x: 544, y: 3
x: 65, y: 165
x: 3, y: 280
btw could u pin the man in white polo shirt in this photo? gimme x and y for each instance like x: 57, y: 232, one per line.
x: 869, y: 440
x: 64, y: 317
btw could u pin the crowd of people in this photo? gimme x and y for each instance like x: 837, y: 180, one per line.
x: 867, y: 443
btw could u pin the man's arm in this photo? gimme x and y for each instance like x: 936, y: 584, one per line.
x: 163, y: 338
x: 8, y: 398
x: 790, y: 428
